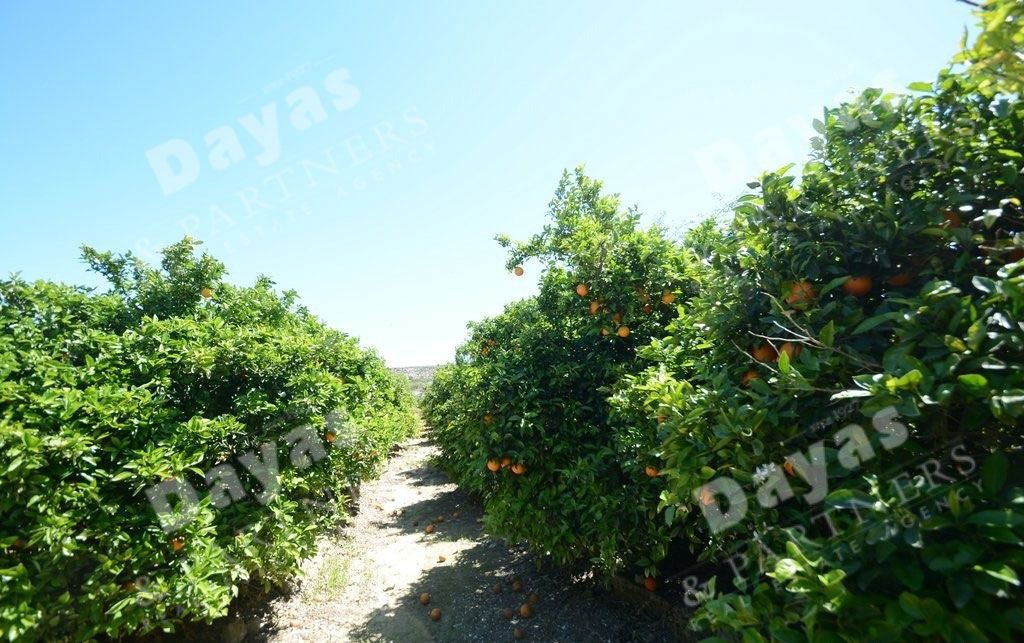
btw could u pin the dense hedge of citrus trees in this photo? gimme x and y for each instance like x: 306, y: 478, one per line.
x: 846, y: 374
x: 522, y: 417
x: 169, y: 376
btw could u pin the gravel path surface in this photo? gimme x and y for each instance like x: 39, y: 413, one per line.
x: 366, y: 584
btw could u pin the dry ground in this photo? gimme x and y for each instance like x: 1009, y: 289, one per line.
x: 364, y: 585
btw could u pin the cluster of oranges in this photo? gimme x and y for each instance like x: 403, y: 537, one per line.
x: 494, y: 465
x: 435, y: 614
x: 622, y: 330
x: 525, y: 610
x: 803, y: 294
x: 432, y: 527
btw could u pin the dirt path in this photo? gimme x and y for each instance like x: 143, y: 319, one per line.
x: 365, y: 585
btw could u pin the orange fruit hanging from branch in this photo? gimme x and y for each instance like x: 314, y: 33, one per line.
x: 899, y: 280
x: 801, y: 293
x: 857, y: 286
x: 764, y: 353
x: 790, y: 349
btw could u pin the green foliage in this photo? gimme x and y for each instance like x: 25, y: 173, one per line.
x: 994, y: 60
x: 103, y: 396
x: 531, y: 385
x: 861, y: 320
x: 923, y: 539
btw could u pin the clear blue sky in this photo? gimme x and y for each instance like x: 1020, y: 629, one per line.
x: 444, y: 127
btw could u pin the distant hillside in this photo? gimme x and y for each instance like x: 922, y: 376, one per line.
x: 420, y: 376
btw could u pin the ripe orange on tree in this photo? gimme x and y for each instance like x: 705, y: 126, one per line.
x: 648, y: 309
x: 488, y: 418
x: 518, y: 270
x: 424, y: 598
x: 617, y: 318
x: 582, y: 290
x: 668, y: 297
x: 749, y: 377
x: 651, y: 471
x: 801, y: 293
x: 951, y: 218
x: 525, y: 610
x: 650, y: 583
x: 857, y: 286
x: 518, y: 468
x: 899, y: 280
x: 435, y: 614
x: 788, y: 466
x: 330, y: 437
x: 177, y: 543
x: 764, y: 353
x: 791, y: 349
x: 429, y: 529
x: 206, y: 293
x: 493, y: 465
x: 505, y: 462
x: 623, y: 331
x: 595, y: 306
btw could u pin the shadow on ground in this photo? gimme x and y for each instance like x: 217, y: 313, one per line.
x: 568, y: 608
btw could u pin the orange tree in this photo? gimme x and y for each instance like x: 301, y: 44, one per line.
x: 173, y: 377
x: 522, y: 417
x: 848, y: 382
